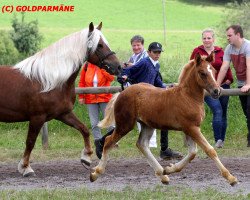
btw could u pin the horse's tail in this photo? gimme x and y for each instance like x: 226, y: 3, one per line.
x: 109, y: 118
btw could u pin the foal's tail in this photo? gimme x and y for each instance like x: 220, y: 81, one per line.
x: 109, y: 118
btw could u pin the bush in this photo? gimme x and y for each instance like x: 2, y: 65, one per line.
x: 8, y: 53
x: 26, y: 36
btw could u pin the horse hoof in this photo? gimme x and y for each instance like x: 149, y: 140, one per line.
x: 234, y: 182
x: 92, y: 177
x: 165, y: 182
x: 29, y: 174
x: 165, y: 172
x: 85, y: 163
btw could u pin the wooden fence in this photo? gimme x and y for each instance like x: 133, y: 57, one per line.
x: 115, y: 89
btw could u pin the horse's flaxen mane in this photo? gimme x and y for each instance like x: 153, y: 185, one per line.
x: 54, y: 65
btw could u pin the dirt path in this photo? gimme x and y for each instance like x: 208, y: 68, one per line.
x: 136, y: 173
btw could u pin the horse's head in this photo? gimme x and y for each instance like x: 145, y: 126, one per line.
x: 99, y: 52
x: 206, y: 74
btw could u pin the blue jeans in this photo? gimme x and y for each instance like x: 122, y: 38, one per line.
x: 219, y: 109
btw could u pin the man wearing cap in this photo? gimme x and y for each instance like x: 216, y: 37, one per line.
x: 147, y: 69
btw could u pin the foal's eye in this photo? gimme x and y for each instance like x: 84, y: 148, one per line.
x: 100, y: 45
x: 203, y: 74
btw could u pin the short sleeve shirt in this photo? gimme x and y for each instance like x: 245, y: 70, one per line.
x: 238, y: 58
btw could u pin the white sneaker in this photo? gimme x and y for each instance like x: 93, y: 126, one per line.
x: 219, y: 144
x: 152, y: 141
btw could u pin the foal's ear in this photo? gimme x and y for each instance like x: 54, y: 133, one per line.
x: 210, y: 58
x: 91, y: 28
x: 99, y: 27
x: 197, y: 59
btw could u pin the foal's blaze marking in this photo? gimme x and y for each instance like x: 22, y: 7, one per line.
x: 210, y: 71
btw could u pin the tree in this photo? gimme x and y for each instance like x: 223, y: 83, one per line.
x: 26, y: 36
x: 8, y: 53
x: 236, y: 13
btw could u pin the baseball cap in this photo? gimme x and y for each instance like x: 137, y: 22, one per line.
x: 155, y: 46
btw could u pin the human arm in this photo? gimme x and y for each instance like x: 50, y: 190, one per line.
x: 82, y: 84
x: 229, y: 77
x: 158, y: 81
x: 222, y: 73
x: 246, y: 87
x: 193, y: 54
x: 107, y: 76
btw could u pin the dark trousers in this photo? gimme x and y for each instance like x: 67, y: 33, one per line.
x: 164, y: 140
x: 245, y: 104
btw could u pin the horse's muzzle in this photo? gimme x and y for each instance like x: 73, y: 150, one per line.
x: 215, y: 93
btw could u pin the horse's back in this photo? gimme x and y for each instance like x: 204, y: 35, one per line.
x: 158, y: 107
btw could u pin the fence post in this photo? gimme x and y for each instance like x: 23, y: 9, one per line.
x: 45, y: 138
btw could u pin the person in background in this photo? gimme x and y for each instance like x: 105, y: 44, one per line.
x: 218, y: 106
x: 93, y: 76
x: 238, y: 52
x: 137, y: 44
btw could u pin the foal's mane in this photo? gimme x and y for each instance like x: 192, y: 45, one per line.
x: 53, y: 65
x: 187, y: 70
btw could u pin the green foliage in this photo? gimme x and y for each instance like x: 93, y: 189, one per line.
x: 26, y: 36
x: 236, y: 13
x: 8, y: 52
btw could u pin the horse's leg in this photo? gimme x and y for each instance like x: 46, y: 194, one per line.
x: 192, y: 150
x: 196, y: 135
x: 210, y: 151
x: 34, y: 127
x: 71, y: 120
x: 110, y: 142
x: 143, y: 145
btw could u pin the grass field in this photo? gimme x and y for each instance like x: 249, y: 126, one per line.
x: 121, y: 20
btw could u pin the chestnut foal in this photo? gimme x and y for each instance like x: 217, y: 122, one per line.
x: 179, y: 108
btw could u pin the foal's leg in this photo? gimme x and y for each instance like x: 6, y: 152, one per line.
x: 209, y: 150
x: 34, y: 127
x: 71, y: 120
x: 142, y: 144
x: 192, y: 151
x: 110, y: 142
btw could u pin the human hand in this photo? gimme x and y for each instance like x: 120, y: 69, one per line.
x: 228, y: 82
x: 245, y: 88
x: 81, y: 101
x: 122, y: 79
x: 127, y: 64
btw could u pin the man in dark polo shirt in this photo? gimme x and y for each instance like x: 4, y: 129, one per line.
x: 238, y: 52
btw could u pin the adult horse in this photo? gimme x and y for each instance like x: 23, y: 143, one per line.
x: 179, y: 108
x: 41, y: 87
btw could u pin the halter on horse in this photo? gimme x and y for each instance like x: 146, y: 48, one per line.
x: 42, y: 87
x: 178, y: 108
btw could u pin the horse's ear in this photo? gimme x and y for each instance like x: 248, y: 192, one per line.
x: 210, y: 58
x: 91, y: 27
x: 197, y: 59
x: 99, y: 27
